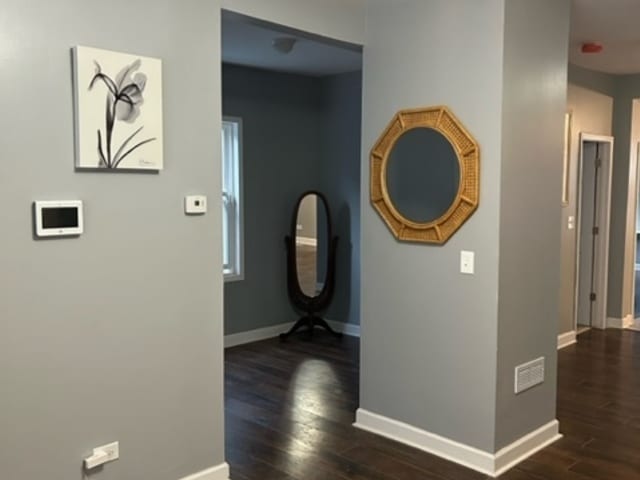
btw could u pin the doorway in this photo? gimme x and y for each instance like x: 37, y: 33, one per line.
x: 297, y: 98
x: 594, y: 201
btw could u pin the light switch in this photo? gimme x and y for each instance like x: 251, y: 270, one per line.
x: 571, y: 222
x: 467, y: 260
x: 195, y: 204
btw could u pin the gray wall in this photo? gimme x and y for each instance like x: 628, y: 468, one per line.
x: 623, y: 200
x: 624, y: 89
x: 535, y: 85
x: 591, y: 112
x: 292, y: 144
x: 596, y: 81
x: 282, y: 134
x: 429, y: 334
x: 339, y: 20
x: 117, y: 334
x: 342, y: 102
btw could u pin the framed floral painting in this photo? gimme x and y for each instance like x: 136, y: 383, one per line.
x: 118, y: 110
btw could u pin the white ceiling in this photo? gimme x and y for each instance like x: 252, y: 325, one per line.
x: 248, y: 42
x: 613, y: 23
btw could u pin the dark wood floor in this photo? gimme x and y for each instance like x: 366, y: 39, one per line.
x: 289, y: 409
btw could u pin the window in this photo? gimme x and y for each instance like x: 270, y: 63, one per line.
x: 232, y: 231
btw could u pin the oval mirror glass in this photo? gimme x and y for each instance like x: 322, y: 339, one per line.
x: 423, y: 175
x: 311, y: 244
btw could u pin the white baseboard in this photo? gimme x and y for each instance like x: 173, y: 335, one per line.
x: 492, y: 464
x: 350, y: 329
x: 256, y: 335
x: 636, y: 324
x: 219, y: 472
x: 566, y: 339
x: 508, y: 457
x: 625, y: 322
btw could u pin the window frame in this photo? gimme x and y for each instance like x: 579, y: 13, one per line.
x: 235, y: 271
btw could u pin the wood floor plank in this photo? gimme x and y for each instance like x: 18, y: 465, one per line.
x: 290, y: 408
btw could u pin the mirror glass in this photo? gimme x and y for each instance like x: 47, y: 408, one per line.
x: 423, y: 175
x: 311, y: 244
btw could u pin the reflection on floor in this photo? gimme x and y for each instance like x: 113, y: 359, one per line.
x: 289, y: 409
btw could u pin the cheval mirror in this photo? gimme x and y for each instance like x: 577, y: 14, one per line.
x: 311, y: 262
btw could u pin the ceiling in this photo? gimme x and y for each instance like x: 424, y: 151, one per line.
x: 248, y: 42
x: 614, y: 24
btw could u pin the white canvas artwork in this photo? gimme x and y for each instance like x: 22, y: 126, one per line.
x: 118, y: 110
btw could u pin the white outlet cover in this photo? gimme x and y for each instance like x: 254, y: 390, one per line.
x: 195, y: 204
x: 101, y: 455
x: 467, y: 262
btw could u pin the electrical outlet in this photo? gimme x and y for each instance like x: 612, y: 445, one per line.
x: 102, y: 455
x: 112, y: 450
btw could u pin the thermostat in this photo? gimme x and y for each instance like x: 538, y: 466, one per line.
x: 58, y: 218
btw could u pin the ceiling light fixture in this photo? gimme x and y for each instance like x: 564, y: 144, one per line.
x: 284, y: 44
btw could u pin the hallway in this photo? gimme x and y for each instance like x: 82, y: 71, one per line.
x: 289, y: 409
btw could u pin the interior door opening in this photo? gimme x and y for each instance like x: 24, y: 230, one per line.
x: 594, y: 200
x: 296, y: 100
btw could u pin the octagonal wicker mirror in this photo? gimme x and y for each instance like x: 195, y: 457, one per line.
x: 425, y: 171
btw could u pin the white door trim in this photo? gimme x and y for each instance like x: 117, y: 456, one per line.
x: 604, y: 207
x: 632, y: 231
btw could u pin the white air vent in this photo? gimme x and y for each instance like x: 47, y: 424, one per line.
x: 529, y: 375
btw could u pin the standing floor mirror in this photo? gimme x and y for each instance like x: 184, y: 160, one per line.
x: 311, y: 262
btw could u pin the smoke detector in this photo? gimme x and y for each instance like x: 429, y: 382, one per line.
x: 591, y: 47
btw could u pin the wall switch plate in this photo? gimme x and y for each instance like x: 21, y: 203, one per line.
x: 571, y: 222
x: 467, y: 262
x: 102, y: 455
x: 195, y: 204
x: 529, y: 375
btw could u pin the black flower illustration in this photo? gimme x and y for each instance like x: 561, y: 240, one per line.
x: 123, y: 102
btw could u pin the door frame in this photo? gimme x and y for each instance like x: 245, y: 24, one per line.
x: 633, y: 234
x: 601, y: 266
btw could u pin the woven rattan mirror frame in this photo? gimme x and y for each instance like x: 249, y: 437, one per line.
x: 438, y: 231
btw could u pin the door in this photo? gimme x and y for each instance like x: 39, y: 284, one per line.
x: 592, y: 246
x: 588, y: 232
